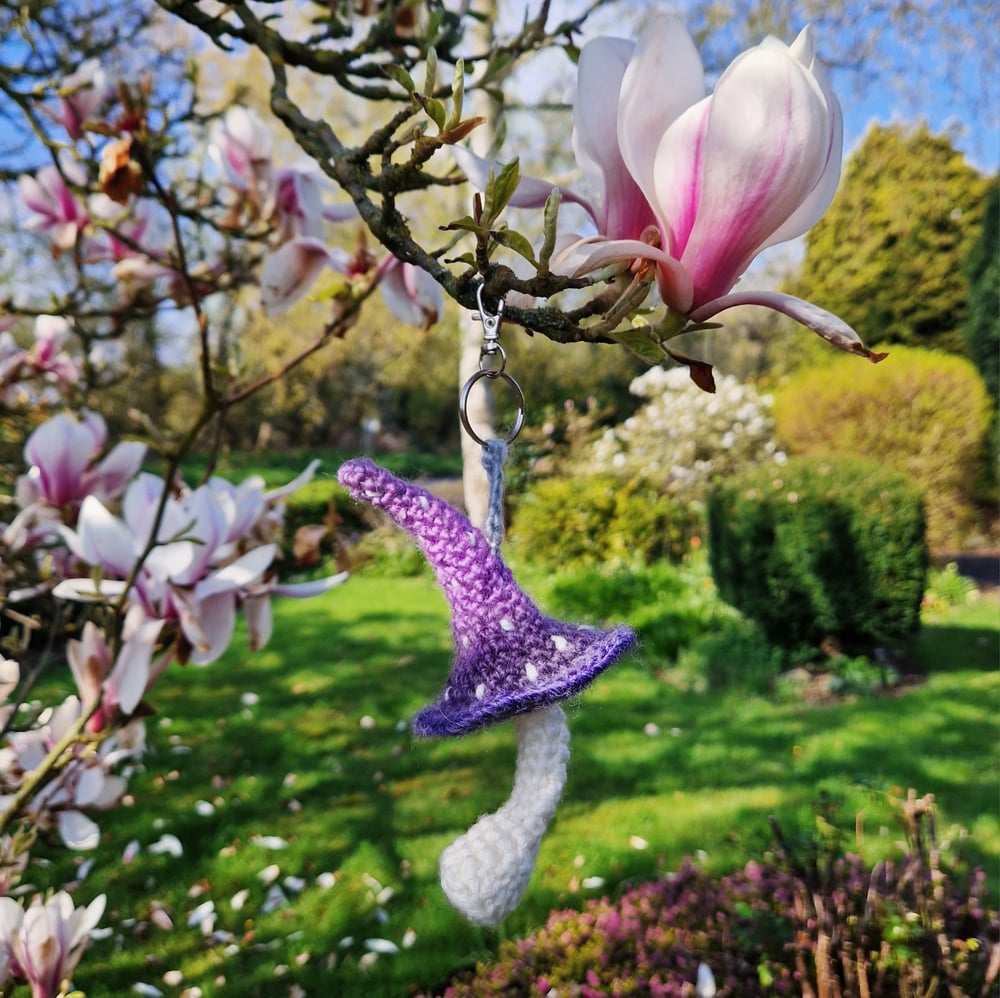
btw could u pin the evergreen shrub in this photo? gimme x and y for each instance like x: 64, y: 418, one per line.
x: 921, y: 412
x: 821, y: 549
x: 669, y: 606
x: 587, y: 520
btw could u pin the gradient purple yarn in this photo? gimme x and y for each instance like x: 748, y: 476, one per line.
x: 509, y: 657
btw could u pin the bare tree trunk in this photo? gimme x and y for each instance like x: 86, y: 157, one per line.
x: 480, y: 407
x: 480, y: 412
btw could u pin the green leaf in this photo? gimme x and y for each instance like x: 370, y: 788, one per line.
x: 434, y: 23
x: 640, y: 343
x: 467, y: 223
x: 401, y: 76
x: 434, y: 108
x: 457, y: 95
x: 430, y: 72
x: 499, y: 190
x: 467, y: 258
x: 550, y: 221
x: 516, y: 242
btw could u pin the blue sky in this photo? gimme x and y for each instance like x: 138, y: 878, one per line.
x: 941, y: 67
x: 954, y: 87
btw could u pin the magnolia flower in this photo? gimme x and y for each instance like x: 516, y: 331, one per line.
x: 47, y: 357
x: 299, y: 209
x: 211, y: 557
x: 122, y: 230
x: 410, y: 293
x: 241, y: 146
x: 121, y: 684
x: 62, y: 454
x: 52, y: 205
x: 81, y: 95
x: 86, y: 782
x: 48, y: 354
x: 695, y: 185
x: 289, y: 273
x: 43, y: 945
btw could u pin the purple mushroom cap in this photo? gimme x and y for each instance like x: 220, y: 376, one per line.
x: 509, y: 657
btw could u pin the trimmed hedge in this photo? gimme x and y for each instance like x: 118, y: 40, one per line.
x: 921, y: 412
x: 589, y: 520
x: 821, y: 549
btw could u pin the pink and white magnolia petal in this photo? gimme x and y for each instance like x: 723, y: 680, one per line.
x: 89, y: 785
x: 140, y: 503
x: 530, y: 191
x: 61, y: 449
x: 10, y: 676
x: 303, y: 478
x: 242, y: 505
x: 241, y: 146
x: 112, y: 790
x: 663, y: 79
x: 765, y: 148
x: 207, y: 623
x: 343, y: 211
x: 77, y: 831
x: 83, y: 92
x: 36, y: 196
x: 305, y: 590
x: 245, y: 571
x: 83, y: 921
x: 107, y: 481
x: 28, y: 488
x: 11, y: 917
x: 260, y: 622
x: 289, y: 273
x: 587, y: 255
x: 102, y: 539
x: 621, y: 208
x: 89, y: 661
x: 298, y: 205
x: 678, y: 166
x: 51, y: 333
x: 820, y: 197
x: 411, y: 294
x: 89, y: 591
x: 186, y: 561
x: 825, y: 324
x: 129, y: 679
x: 139, y: 271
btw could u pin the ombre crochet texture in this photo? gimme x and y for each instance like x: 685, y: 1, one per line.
x: 509, y: 657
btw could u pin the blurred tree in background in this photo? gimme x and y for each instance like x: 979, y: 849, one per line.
x: 982, y: 317
x: 889, y: 255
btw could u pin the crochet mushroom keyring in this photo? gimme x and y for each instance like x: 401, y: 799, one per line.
x: 511, y: 661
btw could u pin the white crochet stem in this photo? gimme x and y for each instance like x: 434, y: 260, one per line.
x: 486, y: 871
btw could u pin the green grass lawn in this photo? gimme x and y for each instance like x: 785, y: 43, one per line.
x: 307, y: 742
x: 279, y: 467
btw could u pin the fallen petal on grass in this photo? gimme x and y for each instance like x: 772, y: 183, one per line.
x: 269, y: 874
x: 169, y: 844
x: 269, y: 841
x: 381, y: 946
